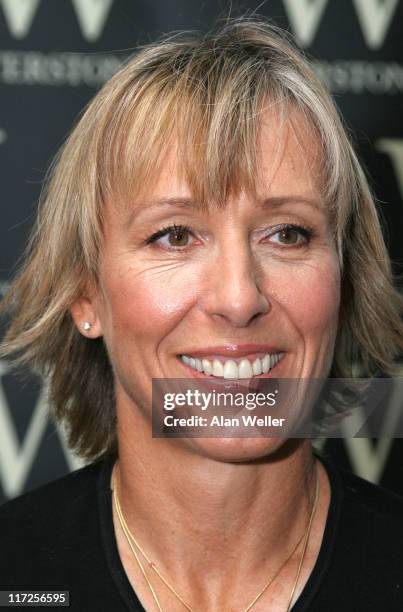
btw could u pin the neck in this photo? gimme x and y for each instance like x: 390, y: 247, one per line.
x: 198, y: 517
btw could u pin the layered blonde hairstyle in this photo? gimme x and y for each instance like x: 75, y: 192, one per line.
x: 208, y: 90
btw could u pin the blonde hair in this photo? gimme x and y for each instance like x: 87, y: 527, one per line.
x: 208, y: 91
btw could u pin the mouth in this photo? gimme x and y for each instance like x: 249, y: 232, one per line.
x: 254, y: 365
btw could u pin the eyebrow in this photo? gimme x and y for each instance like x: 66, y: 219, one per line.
x: 160, y: 203
x: 277, y: 202
x: 188, y: 203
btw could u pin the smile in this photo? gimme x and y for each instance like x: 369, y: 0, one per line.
x: 231, y: 368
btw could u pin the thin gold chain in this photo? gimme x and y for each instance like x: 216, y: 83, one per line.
x: 130, y: 538
x: 308, y: 531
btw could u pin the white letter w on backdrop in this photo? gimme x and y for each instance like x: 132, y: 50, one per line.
x: 374, y: 17
x: 91, y: 16
x: 16, y: 459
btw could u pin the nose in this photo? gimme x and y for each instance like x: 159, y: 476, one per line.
x: 234, y: 291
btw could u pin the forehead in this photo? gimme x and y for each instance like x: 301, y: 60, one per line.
x: 287, y: 160
x: 288, y: 152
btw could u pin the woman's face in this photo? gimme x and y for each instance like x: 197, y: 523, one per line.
x: 259, y: 277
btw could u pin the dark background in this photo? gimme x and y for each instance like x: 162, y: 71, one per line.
x: 55, y: 54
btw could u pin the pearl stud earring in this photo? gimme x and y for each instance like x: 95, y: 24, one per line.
x: 86, y: 326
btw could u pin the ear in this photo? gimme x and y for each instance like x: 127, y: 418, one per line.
x: 85, y: 316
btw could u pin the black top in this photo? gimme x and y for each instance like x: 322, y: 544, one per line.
x: 61, y: 537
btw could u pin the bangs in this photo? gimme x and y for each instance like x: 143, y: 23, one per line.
x: 208, y: 109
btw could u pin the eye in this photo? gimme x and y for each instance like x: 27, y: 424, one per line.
x: 292, y: 235
x: 173, y: 236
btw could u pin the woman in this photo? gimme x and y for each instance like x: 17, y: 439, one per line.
x: 206, y: 218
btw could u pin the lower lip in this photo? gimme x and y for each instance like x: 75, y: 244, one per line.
x: 197, y: 374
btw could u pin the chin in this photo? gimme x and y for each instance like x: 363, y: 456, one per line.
x: 236, y: 450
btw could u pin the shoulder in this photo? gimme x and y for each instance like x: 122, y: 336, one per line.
x: 360, y: 564
x: 47, y: 499
x: 52, y: 525
x: 367, y: 498
x: 367, y: 527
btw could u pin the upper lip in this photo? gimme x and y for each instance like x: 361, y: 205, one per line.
x: 232, y: 350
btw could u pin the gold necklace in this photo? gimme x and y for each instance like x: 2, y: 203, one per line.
x: 130, y: 538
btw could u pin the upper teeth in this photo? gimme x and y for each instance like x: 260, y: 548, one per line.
x: 231, y: 369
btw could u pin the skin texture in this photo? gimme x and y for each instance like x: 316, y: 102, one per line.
x: 218, y: 516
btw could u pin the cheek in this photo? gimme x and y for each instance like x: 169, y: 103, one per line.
x: 149, y: 303
x: 310, y: 295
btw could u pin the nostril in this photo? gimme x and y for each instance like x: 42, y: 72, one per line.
x: 233, y: 291
x: 239, y: 319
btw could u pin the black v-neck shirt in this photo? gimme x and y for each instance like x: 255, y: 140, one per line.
x: 61, y: 537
